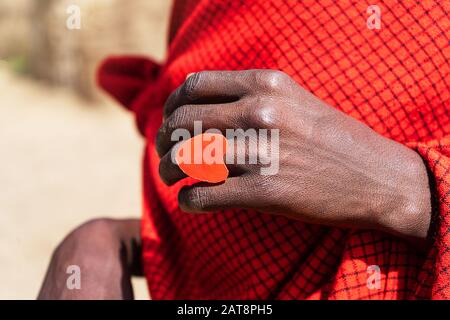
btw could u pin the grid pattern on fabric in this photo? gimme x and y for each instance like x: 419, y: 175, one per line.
x: 395, y: 80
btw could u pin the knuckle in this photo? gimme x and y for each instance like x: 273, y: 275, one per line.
x: 260, y: 187
x: 191, y: 85
x: 272, y: 80
x: 176, y: 119
x: 266, y: 186
x: 160, y: 139
x: 198, y: 198
x: 168, y: 105
x: 163, y: 170
x: 161, y: 133
x: 265, y: 114
x: 173, y: 122
x: 195, y: 198
x: 168, y: 170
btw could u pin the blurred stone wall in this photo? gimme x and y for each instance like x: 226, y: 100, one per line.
x: 36, y: 30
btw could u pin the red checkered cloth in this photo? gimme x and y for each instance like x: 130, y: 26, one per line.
x: 394, y: 79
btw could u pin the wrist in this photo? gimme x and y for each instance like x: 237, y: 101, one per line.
x: 406, y: 209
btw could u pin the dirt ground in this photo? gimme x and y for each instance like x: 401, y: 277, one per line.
x: 63, y: 161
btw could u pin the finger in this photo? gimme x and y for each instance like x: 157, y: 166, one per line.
x: 209, y: 87
x: 169, y: 171
x: 235, y: 159
x: 242, y: 154
x: 216, y: 116
x: 233, y: 193
x: 241, y: 157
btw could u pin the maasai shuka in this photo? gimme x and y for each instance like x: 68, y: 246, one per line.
x: 394, y: 79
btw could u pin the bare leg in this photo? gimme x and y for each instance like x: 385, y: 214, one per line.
x: 106, y: 253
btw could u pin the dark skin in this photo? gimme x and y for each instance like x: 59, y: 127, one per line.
x: 333, y: 171
x: 108, y: 254
x: 341, y: 172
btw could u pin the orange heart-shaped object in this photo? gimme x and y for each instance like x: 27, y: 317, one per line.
x: 202, y: 157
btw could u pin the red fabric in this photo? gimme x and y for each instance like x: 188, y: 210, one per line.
x: 395, y: 80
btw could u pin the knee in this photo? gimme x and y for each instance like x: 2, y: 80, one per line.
x: 94, y: 248
x: 90, y: 235
x: 93, y: 227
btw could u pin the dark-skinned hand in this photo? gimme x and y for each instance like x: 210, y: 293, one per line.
x: 333, y: 170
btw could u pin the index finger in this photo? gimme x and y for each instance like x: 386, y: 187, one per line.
x: 207, y: 87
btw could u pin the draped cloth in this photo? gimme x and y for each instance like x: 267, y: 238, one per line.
x: 394, y: 79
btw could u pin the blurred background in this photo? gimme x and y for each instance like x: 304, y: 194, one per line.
x: 68, y: 153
